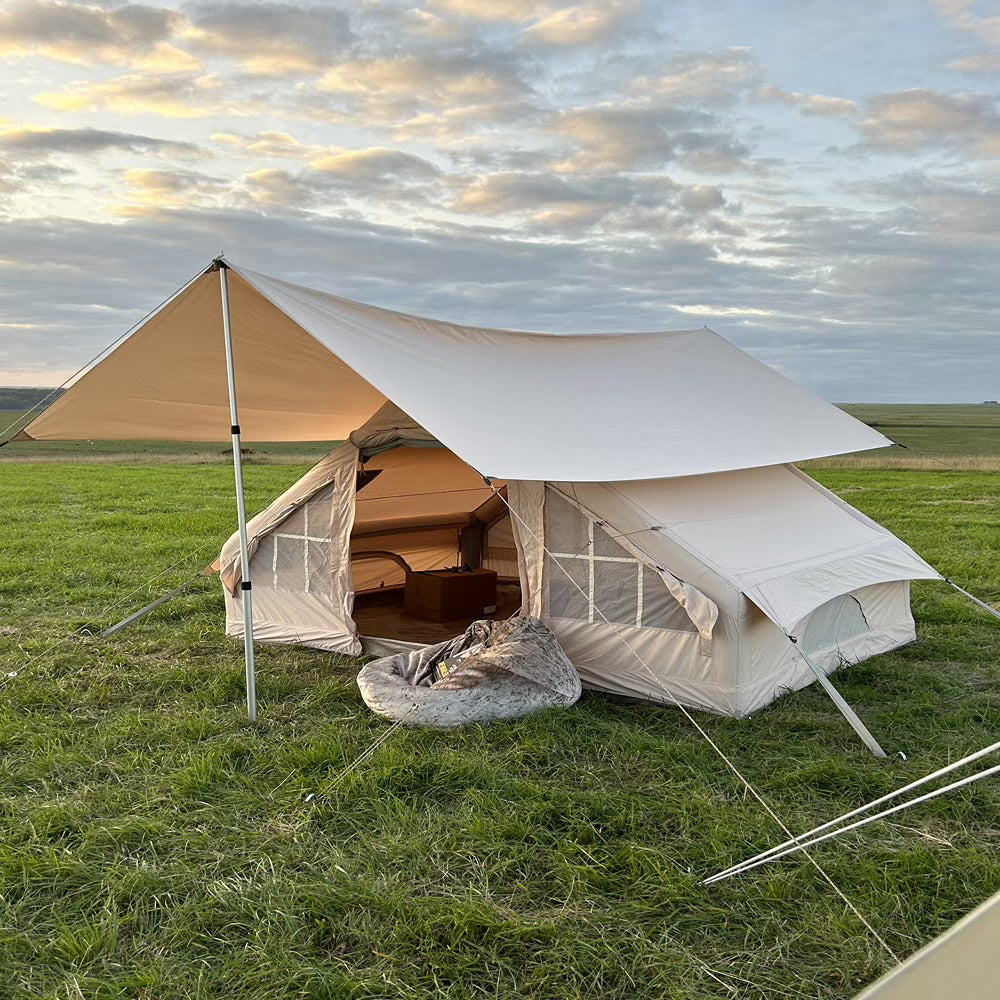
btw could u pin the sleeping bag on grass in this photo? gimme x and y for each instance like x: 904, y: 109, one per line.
x: 493, y: 670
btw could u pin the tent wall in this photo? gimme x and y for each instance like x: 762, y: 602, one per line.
x: 422, y: 548
x: 300, y: 562
x: 769, y: 666
x: 500, y: 549
x: 652, y: 587
x: 691, y: 654
x: 743, y: 662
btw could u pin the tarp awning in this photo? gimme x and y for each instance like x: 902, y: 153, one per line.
x: 583, y: 407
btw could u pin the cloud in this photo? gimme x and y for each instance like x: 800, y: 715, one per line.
x: 631, y: 205
x: 580, y: 24
x: 44, y: 142
x: 911, y: 120
x: 442, y: 96
x: 809, y: 104
x: 544, y: 198
x: 271, y: 39
x: 462, y: 77
x: 705, y: 77
x: 267, y: 144
x: 179, y: 95
x: 374, y: 165
x: 981, y: 62
x: 962, y: 14
x: 160, y: 189
x: 87, y: 34
x: 640, y: 137
x: 281, y: 189
x: 516, y: 11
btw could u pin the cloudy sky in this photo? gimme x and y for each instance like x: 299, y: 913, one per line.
x: 817, y: 181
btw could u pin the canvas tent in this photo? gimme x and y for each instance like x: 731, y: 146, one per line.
x: 639, y: 486
x: 960, y: 964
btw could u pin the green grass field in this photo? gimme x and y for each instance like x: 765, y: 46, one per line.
x: 156, y: 845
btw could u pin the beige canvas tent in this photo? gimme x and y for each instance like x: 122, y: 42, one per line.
x: 637, y: 489
x: 958, y: 965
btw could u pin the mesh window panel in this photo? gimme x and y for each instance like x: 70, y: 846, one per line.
x: 607, y: 546
x: 621, y: 589
x: 616, y: 591
x: 320, y: 576
x: 261, y: 565
x: 291, y: 562
x: 659, y: 607
x: 565, y: 600
x: 565, y: 527
x: 295, y: 523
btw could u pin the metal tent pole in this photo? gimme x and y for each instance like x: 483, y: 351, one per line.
x: 972, y: 597
x: 838, y: 699
x: 245, y: 586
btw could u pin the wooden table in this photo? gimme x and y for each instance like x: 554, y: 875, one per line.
x: 441, y: 595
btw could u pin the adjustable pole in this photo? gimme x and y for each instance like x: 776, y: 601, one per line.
x: 838, y: 699
x: 241, y: 513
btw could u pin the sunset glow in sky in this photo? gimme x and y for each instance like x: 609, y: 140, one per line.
x: 817, y: 182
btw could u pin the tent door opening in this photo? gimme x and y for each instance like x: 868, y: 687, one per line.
x: 432, y: 548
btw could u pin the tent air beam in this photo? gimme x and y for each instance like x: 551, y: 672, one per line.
x: 838, y: 699
x: 245, y: 586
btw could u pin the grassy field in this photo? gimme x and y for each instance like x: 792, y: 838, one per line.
x: 156, y: 845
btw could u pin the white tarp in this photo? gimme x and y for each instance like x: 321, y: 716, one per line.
x: 576, y: 407
x: 587, y: 407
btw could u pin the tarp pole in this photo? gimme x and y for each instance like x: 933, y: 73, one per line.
x: 245, y: 585
x: 838, y: 699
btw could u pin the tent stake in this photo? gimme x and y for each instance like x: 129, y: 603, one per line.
x: 245, y: 586
x: 838, y: 699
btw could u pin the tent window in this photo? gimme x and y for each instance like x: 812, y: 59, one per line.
x: 591, y: 578
x: 296, y: 555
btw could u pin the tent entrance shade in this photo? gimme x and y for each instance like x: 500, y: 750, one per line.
x: 312, y: 366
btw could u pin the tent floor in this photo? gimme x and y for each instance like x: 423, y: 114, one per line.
x: 381, y: 614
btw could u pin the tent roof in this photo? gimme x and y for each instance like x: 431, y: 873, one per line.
x: 583, y: 407
x: 777, y: 536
